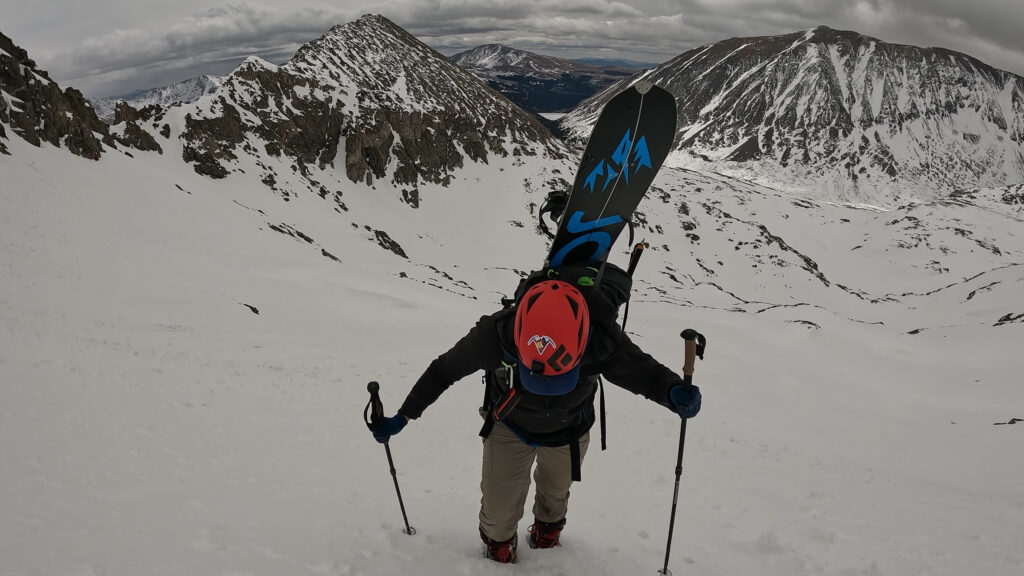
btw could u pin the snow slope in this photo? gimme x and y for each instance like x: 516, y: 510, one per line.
x: 152, y: 423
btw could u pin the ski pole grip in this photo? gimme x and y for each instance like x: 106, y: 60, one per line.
x: 690, y: 357
x: 375, y: 407
x: 695, y: 343
x: 634, y: 258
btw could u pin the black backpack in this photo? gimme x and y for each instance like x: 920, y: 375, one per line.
x: 606, y: 290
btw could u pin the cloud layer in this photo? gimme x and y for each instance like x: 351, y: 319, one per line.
x: 102, y: 49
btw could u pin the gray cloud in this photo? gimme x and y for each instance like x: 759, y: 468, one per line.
x: 102, y: 48
x: 213, y: 40
x: 658, y: 30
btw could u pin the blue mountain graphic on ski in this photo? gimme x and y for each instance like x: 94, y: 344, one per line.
x: 609, y: 170
x: 627, y: 146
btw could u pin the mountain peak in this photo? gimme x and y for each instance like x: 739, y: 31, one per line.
x: 399, y: 109
x: 492, y: 56
x: 372, y: 24
x: 840, y: 115
x: 256, y: 63
x: 373, y: 19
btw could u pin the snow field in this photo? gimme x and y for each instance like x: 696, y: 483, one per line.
x: 151, y: 423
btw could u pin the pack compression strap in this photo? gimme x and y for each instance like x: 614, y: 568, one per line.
x: 634, y: 259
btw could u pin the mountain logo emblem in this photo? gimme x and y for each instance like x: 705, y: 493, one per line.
x: 629, y: 155
x: 541, y: 343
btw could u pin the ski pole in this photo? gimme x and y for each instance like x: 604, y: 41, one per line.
x: 694, y: 348
x: 373, y: 413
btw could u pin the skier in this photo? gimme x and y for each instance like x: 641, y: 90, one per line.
x: 547, y: 352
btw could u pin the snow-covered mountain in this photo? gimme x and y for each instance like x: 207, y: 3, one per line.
x: 186, y: 92
x: 840, y: 115
x: 367, y: 101
x: 367, y: 98
x: 395, y: 114
x: 536, y: 82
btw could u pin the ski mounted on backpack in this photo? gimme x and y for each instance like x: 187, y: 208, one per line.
x: 627, y: 147
x: 628, y: 144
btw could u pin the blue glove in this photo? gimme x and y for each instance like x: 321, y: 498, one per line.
x: 388, y: 427
x: 685, y: 400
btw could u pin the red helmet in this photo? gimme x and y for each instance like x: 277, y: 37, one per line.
x: 551, y: 332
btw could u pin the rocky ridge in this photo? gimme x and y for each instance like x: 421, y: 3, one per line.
x: 185, y: 92
x: 35, y: 108
x: 367, y: 97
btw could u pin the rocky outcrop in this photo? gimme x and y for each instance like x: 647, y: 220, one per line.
x: 422, y: 147
x: 34, y: 107
x: 211, y: 141
x: 263, y: 100
x: 40, y: 111
x: 131, y: 134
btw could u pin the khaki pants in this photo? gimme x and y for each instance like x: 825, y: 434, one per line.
x: 506, y: 481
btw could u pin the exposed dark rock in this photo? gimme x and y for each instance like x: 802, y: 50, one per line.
x: 411, y: 197
x: 1011, y: 421
x: 209, y: 142
x: 385, y: 241
x: 1010, y: 319
x: 806, y: 323
x: 41, y: 112
x: 290, y: 231
x: 134, y: 135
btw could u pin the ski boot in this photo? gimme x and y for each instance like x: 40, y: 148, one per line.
x: 503, y: 552
x: 545, y: 534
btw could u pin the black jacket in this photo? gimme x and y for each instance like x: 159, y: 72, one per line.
x: 546, y: 420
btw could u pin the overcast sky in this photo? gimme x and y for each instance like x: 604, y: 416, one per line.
x: 106, y: 47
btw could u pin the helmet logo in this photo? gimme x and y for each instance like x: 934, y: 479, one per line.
x: 541, y: 343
